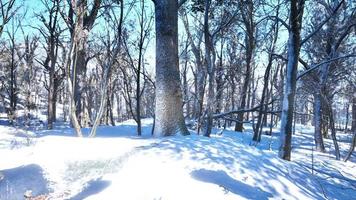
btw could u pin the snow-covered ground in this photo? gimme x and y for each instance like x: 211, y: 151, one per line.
x: 119, y: 165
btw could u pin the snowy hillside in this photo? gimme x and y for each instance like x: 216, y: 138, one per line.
x: 118, y: 165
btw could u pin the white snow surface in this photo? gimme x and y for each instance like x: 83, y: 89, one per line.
x: 119, y: 165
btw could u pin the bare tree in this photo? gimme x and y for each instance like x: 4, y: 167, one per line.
x: 247, y: 14
x: 145, y: 22
x: 80, y: 27
x: 169, y: 118
x: 258, y: 129
x: 7, y: 11
x: 51, y: 32
x: 294, y: 40
x: 113, y: 49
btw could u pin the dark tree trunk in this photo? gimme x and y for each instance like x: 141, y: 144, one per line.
x: 318, y: 137
x: 250, y: 45
x: 50, y: 116
x: 295, y: 22
x: 219, y: 83
x: 347, y: 117
x: 210, y: 66
x: 333, y: 132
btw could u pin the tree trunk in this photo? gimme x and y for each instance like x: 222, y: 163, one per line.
x: 83, y: 25
x: 169, y: 118
x: 199, y: 75
x: 333, y: 132
x: 71, y: 64
x: 79, y: 79
x: 295, y: 21
x: 318, y: 137
x: 211, y: 71
x: 219, y: 83
x: 353, y: 128
x: 50, y: 116
x: 347, y: 117
x: 250, y: 45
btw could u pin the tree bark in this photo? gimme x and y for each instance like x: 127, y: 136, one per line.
x: 169, y: 118
x: 295, y: 21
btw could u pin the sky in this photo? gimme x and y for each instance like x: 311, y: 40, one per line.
x: 33, y: 7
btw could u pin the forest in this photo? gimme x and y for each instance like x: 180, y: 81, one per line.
x: 143, y: 99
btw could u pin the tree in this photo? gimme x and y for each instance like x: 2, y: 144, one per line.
x: 12, y: 66
x: 169, y: 118
x: 80, y: 27
x: 144, y: 28
x: 294, y: 39
x: 353, y: 126
x: 199, y: 72
x: 51, y: 33
x: 247, y: 14
x: 7, y: 11
x: 112, y: 50
x: 258, y: 129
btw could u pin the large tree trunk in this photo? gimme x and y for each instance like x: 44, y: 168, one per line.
x: 295, y: 21
x: 169, y: 118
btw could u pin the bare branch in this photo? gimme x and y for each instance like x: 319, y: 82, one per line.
x: 322, y: 63
x: 322, y: 23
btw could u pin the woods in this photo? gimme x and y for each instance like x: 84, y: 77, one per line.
x: 133, y: 99
x: 191, y: 65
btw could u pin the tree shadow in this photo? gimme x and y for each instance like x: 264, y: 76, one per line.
x: 94, y: 187
x: 222, y: 179
x: 16, y: 181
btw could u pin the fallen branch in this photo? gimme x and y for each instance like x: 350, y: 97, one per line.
x: 221, y: 115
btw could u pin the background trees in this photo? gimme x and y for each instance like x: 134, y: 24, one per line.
x: 207, y: 65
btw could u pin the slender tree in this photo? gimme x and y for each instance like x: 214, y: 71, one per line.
x: 294, y: 39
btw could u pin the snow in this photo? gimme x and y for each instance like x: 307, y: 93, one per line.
x: 119, y: 165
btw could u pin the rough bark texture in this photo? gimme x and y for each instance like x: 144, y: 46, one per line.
x: 169, y: 118
x: 295, y: 22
